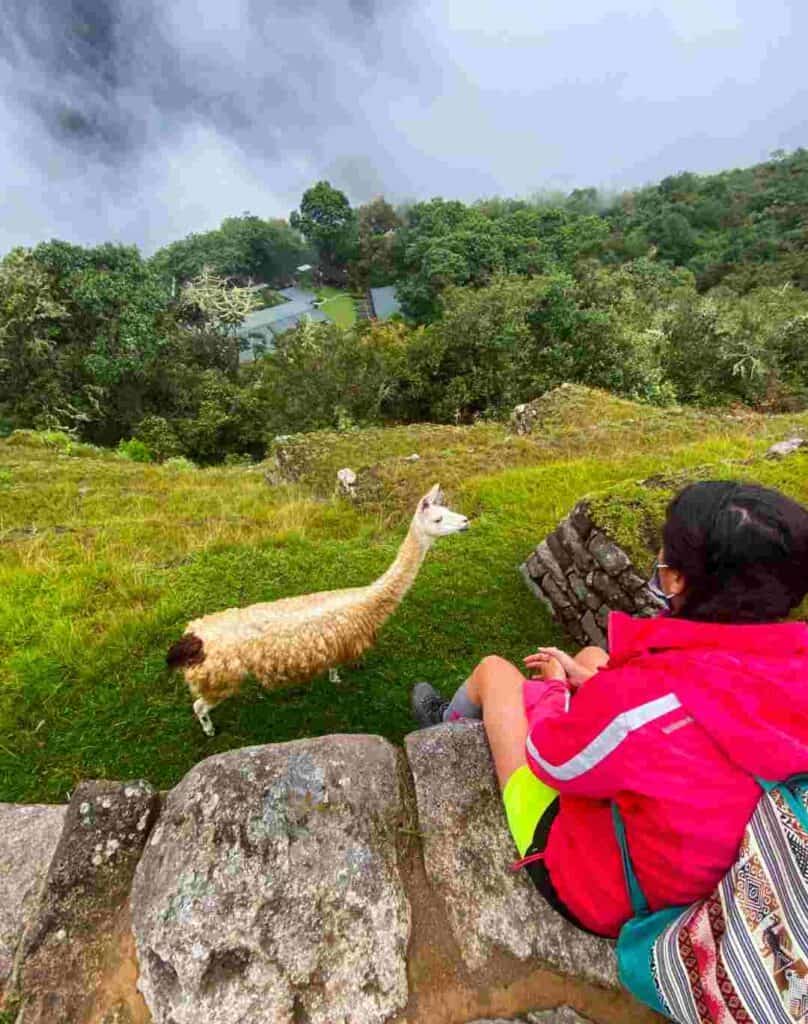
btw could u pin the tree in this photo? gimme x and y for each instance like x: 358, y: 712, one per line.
x: 446, y: 243
x: 675, y: 237
x: 375, y: 260
x: 328, y: 223
x: 243, y: 248
x: 31, y: 314
x: 207, y: 303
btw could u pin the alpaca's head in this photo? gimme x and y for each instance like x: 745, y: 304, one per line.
x: 433, y: 519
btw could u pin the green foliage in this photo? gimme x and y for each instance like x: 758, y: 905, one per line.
x: 747, y: 228
x: 722, y: 347
x: 82, y: 333
x: 508, y: 342
x: 693, y: 290
x: 134, y: 450
x: 178, y: 464
x: 243, y: 248
x: 319, y: 374
x: 92, y: 343
x: 446, y: 243
x: 328, y: 223
x: 375, y: 262
x: 61, y: 443
x: 156, y: 433
x: 267, y: 297
x: 31, y: 319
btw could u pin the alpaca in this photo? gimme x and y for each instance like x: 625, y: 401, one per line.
x: 294, y: 639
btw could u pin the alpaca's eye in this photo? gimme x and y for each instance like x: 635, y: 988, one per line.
x: 439, y: 519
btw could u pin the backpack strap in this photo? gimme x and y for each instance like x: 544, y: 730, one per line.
x: 796, y: 805
x: 639, y: 904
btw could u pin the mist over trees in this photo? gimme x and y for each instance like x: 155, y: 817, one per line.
x: 693, y: 290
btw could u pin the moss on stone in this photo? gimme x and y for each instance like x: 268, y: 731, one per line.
x: 632, y: 514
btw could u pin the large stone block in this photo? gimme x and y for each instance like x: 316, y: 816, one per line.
x: 579, y: 517
x: 468, y: 851
x: 562, y: 1015
x: 271, y: 889
x: 609, y: 555
x: 558, y: 551
x: 594, y: 634
x: 28, y: 837
x: 574, y: 544
x: 559, y: 598
x: 79, y: 939
x: 547, y: 558
x: 580, y: 590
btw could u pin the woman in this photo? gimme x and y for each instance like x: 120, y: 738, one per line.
x: 672, y: 724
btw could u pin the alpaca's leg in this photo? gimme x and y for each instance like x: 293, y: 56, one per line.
x: 333, y: 676
x: 201, y: 709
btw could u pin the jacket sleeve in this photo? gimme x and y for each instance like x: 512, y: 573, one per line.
x: 578, y: 745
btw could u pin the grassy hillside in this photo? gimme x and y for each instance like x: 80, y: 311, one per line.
x: 746, y: 227
x: 105, y: 560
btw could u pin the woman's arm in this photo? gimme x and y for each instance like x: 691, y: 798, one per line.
x: 578, y: 746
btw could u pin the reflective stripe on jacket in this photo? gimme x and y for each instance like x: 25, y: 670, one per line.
x: 673, y: 729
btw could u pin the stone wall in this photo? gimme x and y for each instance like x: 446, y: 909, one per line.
x: 337, y: 880
x: 581, y: 574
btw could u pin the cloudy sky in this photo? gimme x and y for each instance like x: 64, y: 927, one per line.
x: 140, y: 121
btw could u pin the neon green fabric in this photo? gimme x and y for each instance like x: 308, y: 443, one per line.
x: 526, y: 798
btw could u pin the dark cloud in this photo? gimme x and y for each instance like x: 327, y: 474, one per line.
x: 144, y: 120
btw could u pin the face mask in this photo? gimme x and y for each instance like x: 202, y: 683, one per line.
x: 655, y: 585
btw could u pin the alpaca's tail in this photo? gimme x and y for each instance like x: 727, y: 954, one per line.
x: 189, y: 650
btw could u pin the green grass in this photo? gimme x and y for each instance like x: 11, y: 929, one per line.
x: 339, y: 305
x: 633, y: 513
x: 104, y: 561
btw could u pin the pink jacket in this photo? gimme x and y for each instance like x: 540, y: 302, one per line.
x: 673, y: 728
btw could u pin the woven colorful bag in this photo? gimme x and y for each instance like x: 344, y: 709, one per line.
x: 741, y: 955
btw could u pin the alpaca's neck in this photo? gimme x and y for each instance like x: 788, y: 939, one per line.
x: 386, y: 593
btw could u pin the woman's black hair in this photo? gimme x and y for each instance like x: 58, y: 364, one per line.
x: 742, y: 548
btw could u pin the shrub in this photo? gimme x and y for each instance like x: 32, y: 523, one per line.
x: 179, y: 464
x: 134, y: 450
x: 159, y: 437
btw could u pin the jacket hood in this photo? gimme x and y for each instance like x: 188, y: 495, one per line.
x: 747, y: 686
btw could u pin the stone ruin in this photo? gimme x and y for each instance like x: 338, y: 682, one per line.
x: 581, y: 574
x: 337, y: 880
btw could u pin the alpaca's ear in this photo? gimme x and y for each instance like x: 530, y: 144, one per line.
x: 435, y: 497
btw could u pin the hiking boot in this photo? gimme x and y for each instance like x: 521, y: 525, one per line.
x: 427, y: 704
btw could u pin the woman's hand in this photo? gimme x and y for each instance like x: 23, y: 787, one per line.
x: 550, y: 668
x: 544, y: 659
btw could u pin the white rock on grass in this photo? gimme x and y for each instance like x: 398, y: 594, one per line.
x: 346, y: 480
x: 783, y: 448
x: 270, y: 889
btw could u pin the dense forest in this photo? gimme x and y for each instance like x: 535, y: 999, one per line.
x: 694, y: 290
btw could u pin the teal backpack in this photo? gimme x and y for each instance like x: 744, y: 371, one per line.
x: 741, y: 954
